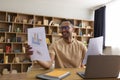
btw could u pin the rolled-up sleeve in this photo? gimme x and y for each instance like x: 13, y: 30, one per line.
x: 52, y: 49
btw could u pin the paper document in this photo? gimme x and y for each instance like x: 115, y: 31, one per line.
x: 37, y: 40
x: 95, y: 47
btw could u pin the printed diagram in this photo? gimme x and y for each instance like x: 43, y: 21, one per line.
x: 36, y: 39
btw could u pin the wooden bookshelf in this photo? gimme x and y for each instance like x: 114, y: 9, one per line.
x: 13, y: 36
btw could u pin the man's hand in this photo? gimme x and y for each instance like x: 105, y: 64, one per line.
x: 28, y: 50
x: 83, y: 66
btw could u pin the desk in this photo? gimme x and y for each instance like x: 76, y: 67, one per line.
x: 19, y: 76
x: 73, y: 76
x: 32, y: 73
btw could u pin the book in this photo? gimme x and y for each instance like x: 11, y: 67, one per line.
x: 10, y: 28
x: 54, y: 75
x: 37, y: 40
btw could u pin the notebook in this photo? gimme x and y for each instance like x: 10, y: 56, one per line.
x: 54, y: 75
x: 101, y: 66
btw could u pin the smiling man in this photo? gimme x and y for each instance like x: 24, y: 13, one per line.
x: 66, y: 52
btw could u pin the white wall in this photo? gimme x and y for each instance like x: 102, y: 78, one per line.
x: 46, y: 7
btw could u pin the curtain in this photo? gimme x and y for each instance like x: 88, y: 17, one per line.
x: 99, y: 23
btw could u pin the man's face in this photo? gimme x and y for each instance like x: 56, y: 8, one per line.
x: 66, y: 29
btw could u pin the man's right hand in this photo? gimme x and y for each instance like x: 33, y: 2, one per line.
x: 28, y: 50
x: 44, y: 64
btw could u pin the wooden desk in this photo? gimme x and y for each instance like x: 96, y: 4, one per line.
x: 32, y: 73
x: 73, y: 76
x: 19, y: 76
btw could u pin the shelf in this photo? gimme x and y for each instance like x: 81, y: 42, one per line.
x: 2, y: 16
x: 13, y: 36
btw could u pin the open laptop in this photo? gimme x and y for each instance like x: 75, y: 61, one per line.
x: 101, y: 66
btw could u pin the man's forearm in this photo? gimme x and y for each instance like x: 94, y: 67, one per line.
x: 46, y: 64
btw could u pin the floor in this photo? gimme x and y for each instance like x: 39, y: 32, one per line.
x: 107, y: 50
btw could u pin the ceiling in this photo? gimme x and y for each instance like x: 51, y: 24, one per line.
x: 83, y: 4
x: 82, y: 9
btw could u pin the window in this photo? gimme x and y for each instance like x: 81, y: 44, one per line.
x: 113, y: 26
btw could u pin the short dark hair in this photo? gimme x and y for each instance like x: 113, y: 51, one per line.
x: 71, y: 21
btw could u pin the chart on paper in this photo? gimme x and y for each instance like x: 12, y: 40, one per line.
x: 37, y: 40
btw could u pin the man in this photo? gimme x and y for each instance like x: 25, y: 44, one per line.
x: 67, y: 52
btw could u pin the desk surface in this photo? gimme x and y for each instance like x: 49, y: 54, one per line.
x: 73, y: 76
x: 32, y: 73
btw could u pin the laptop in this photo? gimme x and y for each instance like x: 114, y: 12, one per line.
x: 101, y: 66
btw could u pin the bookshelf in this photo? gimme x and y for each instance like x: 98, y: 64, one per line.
x: 13, y: 36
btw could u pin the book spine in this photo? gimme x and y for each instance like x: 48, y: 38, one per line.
x: 63, y: 76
